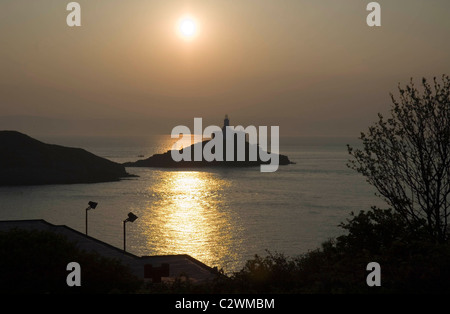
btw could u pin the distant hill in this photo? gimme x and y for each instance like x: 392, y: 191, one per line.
x: 165, y: 160
x: 27, y: 161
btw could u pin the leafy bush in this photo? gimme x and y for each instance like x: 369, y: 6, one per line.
x: 36, y: 261
x: 410, y: 262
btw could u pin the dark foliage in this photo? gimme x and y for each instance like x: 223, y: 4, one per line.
x: 36, y: 261
x: 407, y: 156
x: 410, y: 262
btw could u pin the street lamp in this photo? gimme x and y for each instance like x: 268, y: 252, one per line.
x: 92, y: 205
x: 131, y: 217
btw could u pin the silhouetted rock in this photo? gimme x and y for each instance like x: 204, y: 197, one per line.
x: 165, y: 160
x: 27, y: 161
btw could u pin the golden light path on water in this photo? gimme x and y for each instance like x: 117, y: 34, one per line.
x: 187, y: 214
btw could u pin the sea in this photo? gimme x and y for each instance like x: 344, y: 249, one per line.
x: 222, y: 217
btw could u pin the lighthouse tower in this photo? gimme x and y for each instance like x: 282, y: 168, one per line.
x: 226, y: 122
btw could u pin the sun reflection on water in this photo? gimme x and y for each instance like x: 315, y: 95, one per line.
x: 188, y: 215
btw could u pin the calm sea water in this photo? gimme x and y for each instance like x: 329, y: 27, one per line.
x: 222, y: 217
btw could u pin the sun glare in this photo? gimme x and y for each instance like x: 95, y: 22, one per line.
x: 187, y: 28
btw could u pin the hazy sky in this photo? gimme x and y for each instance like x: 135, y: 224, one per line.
x: 311, y: 67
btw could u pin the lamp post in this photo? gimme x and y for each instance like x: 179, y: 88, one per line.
x: 131, y: 217
x: 92, y: 205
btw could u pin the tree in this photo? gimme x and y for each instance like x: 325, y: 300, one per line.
x: 407, y: 157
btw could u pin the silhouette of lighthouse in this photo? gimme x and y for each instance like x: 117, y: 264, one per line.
x: 226, y: 123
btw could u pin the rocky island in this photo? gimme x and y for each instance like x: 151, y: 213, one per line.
x: 27, y: 161
x: 253, y: 154
x: 165, y: 160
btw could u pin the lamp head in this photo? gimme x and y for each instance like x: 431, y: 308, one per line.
x: 92, y: 204
x: 131, y: 217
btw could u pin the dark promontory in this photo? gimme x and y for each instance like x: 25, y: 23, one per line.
x: 27, y: 161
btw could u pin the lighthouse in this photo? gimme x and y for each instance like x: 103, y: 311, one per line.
x: 226, y: 122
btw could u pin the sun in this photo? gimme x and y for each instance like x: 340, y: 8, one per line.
x: 187, y: 27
